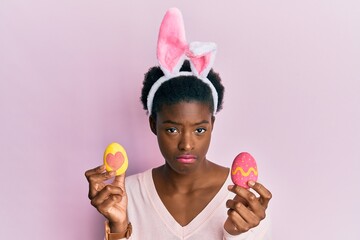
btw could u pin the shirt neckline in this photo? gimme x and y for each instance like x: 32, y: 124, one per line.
x: 169, y: 220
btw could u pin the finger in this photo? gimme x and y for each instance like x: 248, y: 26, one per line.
x: 238, y: 207
x: 243, y: 193
x: 242, y: 216
x: 104, y: 194
x: 240, y: 224
x: 108, y: 203
x: 96, y: 182
x: 119, y: 181
x: 96, y: 170
x: 265, y: 194
x: 101, y: 177
x: 230, y: 227
x: 252, y: 201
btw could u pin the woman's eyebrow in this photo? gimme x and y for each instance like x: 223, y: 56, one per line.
x: 176, y: 123
x: 202, y: 122
x: 171, y: 122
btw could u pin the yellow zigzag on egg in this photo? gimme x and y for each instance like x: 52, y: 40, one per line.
x: 245, y: 173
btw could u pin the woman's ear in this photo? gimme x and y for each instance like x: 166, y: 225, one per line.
x: 212, y: 122
x: 152, y: 123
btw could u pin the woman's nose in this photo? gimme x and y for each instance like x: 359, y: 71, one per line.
x: 186, y: 142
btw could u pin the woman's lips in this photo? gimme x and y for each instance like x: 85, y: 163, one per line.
x: 186, y: 158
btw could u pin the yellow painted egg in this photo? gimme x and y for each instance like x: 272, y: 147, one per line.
x: 115, y: 158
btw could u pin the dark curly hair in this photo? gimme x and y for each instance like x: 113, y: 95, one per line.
x: 182, y: 88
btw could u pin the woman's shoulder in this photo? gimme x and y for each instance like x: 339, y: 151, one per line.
x: 138, y: 178
x: 219, y: 172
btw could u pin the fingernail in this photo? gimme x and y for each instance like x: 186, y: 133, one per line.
x: 230, y: 187
x: 251, y: 183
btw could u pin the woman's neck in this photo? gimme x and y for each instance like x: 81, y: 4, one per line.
x: 165, y: 178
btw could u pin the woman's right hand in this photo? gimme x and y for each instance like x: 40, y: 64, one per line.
x: 109, y: 199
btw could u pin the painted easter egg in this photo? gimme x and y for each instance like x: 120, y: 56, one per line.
x: 244, y: 169
x: 115, y: 158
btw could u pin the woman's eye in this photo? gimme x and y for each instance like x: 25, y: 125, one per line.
x: 172, y: 130
x: 200, y: 130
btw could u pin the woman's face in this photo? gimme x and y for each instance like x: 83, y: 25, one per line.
x: 184, y: 132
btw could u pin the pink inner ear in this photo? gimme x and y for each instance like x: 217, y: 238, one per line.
x: 171, y: 54
x: 201, y: 63
x: 172, y: 41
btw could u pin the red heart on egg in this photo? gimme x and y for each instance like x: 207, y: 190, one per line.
x: 115, y: 161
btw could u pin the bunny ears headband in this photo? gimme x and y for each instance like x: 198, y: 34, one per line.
x: 173, y: 50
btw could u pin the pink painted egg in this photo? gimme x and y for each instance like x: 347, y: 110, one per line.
x: 244, y: 169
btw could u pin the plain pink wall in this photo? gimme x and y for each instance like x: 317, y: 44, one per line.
x: 70, y: 79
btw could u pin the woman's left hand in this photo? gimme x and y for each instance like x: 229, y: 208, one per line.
x: 246, y: 210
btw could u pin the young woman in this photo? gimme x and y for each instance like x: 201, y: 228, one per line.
x: 189, y: 196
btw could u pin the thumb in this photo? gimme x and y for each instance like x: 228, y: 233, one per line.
x: 230, y: 227
x: 119, y: 181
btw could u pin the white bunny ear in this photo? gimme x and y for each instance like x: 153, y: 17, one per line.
x: 172, y: 43
x: 202, y: 57
x: 172, y: 50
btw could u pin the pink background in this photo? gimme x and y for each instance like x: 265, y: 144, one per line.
x: 70, y: 79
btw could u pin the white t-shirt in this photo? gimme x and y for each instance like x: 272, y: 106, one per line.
x: 151, y: 220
